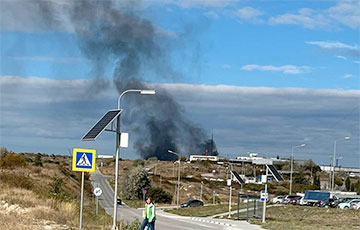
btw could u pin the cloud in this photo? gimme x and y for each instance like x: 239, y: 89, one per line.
x: 287, y: 69
x: 341, y: 57
x: 56, y: 114
x: 346, y: 76
x: 344, y: 13
x: 202, y: 3
x: 337, y: 48
x: 248, y: 13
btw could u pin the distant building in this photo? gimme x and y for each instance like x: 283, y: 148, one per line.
x: 328, y: 168
x: 205, y: 158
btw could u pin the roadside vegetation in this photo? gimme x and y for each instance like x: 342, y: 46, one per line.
x: 40, y: 191
x: 309, y: 218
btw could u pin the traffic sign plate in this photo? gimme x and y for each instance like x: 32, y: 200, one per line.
x: 97, y: 191
x: 84, y: 160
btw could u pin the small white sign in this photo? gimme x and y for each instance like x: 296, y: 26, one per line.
x: 124, y: 140
x: 264, y: 196
x: 263, y: 178
x: 97, y: 191
x: 228, y: 182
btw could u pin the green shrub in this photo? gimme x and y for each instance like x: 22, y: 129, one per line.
x: 158, y: 195
x: 135, y: 225
x: 37, y: 161
x: 12, y: 161
x: 138, y: 162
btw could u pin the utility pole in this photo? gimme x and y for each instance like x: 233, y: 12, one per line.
x: 201, y: 190
x: 264, y: 205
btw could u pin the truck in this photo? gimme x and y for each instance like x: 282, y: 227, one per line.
x: 313, y: 196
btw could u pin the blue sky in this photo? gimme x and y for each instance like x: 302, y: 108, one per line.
x: 312, y: 45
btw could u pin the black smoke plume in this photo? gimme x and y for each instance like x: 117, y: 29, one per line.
x: 114, y: 35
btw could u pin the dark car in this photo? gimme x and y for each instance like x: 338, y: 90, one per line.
x: 192, y: 203
x: 119, y: 202
x: 325, y: 203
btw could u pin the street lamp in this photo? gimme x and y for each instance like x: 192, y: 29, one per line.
x: 148, y: 92
x: 178, y: 188
x: 334, y: 159
x: 292, y: 165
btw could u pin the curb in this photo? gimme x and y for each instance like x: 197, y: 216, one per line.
x: 210, y: 221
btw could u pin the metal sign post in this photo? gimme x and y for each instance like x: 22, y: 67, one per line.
x: 81, y: 199
x: 83, y: 161
x: 264, y: 207
x: 97, y: 193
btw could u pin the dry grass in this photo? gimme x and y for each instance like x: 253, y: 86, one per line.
x: 309, y: 218
x: 201, y: 211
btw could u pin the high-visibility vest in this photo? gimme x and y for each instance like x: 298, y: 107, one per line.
x: 149, y: 212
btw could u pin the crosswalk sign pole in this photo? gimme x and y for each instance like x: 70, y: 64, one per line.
x: 82, y: 199
x: 83, y: 161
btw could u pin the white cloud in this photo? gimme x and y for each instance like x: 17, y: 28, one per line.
x: 248, y: 13
x: 338, y: 48
x: 287, y: 69
x: 202, y: 3
x: 357, y: 62
x: 341, y: 57
x: 346, y: 76
x: 344, y: 13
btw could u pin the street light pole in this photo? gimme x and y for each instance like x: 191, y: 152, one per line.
x: 292, y: 165
x: 118, y: 149
x: 334, y: 160
x: 178, y: 187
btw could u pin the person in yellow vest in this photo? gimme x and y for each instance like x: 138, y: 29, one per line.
x: 149, y: 215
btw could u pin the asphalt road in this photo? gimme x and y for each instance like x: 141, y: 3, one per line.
x: 165, y: 221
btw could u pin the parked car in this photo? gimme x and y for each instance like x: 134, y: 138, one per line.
x: 192, y: 203
x: 347, y: 204
x: 355, y: 205
x: 278, y: 200
x: 295, y: 200
x: 288, y: 198
x: 325, y: 203
x: 119, y: 202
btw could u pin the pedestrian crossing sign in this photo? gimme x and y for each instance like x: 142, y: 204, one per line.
x: 84, y: 160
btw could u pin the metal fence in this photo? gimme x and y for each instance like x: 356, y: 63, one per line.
x: 253, y: 208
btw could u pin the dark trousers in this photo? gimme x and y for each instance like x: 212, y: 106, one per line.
x: 146, y: 222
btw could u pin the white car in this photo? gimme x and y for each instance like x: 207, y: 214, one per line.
x: 278, y: 199
x: 347, y: 204
x: 355, y: 205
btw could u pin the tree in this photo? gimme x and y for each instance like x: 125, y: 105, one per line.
x: 316, y: 182
x: 347, y: 183
x: 138, y: 180
x: 338, y: 181
x: 158, y: 195
x: 12, y: 161
x: 56, y: 189
x: 3, y: 152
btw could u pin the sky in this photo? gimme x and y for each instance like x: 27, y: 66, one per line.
x: 261, y: 76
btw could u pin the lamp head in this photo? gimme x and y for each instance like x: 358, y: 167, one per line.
x: 302, y: 145
x: 347, y: 138
x: 148, y: 91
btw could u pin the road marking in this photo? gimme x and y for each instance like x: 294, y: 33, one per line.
x: 210, y: 221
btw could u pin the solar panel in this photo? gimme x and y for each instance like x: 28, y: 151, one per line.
x: 99, y: 127
x: 237, y: 177
x: 275, y: 173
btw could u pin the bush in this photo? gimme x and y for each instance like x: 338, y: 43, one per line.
x: 217, y: 200
x: 137, y: 181
x: 158, y: 195
x: 347, y: 184
x: 133, y: 226
x: 19, y: 180
x: 12, y: 161
x: 56, y: 188
x: 138, y: 162
x: 37, y: 161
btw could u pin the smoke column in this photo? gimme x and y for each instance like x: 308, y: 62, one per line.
x: 114, y: 36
